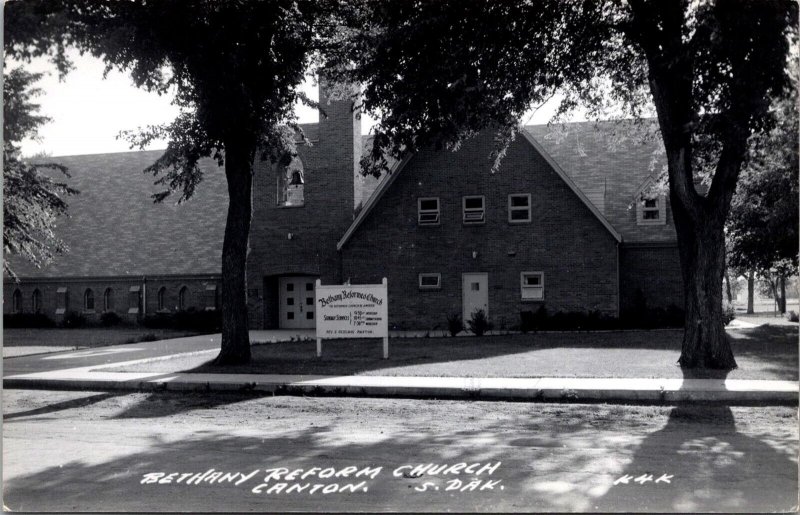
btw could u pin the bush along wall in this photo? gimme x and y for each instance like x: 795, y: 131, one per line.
x: 648, y: 318
x: 189, y: 320
x: 27, y: 321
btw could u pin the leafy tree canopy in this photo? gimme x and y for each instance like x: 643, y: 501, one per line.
x: 233, y: 67
x: 438, y: 71
x: 31, y: 199
x: 762, y: 228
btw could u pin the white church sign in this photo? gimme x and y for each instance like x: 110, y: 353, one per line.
x: 352, y: 311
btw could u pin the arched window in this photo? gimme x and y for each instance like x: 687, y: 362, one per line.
x: 161, y: 294
x: 16, y: 302
x: 108, y: 300
x: 182, y: 299
x: 36, y: 301
x: 88, y: 300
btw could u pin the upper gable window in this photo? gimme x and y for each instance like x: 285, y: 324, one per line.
x: 474, y: 210
x: 650, y: 208
x: 428, y: 211
x: 291, y: 185
x: 519, y: 208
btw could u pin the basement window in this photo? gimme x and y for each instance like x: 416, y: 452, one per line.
x: 532, y: 285
x: 428, y: 211
x: 430, y: 281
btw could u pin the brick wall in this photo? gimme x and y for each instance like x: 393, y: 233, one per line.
x: 655, y: 270
x: 76, y: 289
x: 318, y: 224
x: 565, y: 240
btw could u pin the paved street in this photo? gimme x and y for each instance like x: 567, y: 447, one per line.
x: 77, y: 451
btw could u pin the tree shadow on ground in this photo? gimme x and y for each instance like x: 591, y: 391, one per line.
x: 60, y: 406
x: 157, y: 405
x: 552, y: 457
x: 115, y: 484
x: 700, y: 462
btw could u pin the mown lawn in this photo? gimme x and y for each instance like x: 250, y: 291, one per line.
x: 765, y: 352
x: 85, y: 338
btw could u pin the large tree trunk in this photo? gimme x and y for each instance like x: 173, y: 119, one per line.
x: 782, y: 298
x: 751, y: 287
x: 702, y: 252
x: 239, y: 153
x: 658, y: 27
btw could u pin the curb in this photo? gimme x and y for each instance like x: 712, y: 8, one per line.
x: 319, y: 388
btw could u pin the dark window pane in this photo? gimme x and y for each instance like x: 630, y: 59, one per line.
x: 651, y: 215
x: 521, y: 214
x: 290, y: 301
x: 290, y: 315
x: 309, y: 301
x: 289, y: 286
x: 519, y: 201
x: 430, y: 280
x: 310, y: 315
x: 473, y: 203
x: 309, y: 286
x: 430, y: 204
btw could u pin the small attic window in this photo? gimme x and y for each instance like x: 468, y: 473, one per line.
x: 291, y: 185
x: 650, y: 206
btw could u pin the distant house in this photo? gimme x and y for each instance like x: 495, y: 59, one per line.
x: 561, y: 225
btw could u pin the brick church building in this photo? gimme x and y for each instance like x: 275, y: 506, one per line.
x: 560, y: 225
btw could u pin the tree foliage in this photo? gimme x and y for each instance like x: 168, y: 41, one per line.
x: 762, y: 229
x: 234, y: 68
x: 32, y: 198
x: 438, y: 71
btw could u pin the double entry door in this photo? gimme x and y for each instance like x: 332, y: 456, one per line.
x: 296, y: 298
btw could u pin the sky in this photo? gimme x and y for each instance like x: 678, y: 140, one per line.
x: 88, y: 111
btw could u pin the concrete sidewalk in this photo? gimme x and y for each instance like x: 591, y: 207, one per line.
x: 96, y: 377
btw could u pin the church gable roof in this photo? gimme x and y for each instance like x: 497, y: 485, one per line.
x: 115, y: 229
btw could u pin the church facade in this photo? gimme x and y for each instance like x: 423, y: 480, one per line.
x: 560, y: 225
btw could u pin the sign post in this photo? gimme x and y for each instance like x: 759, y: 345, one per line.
x: 352, y: 311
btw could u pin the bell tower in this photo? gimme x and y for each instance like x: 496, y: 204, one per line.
x: 300, y: 211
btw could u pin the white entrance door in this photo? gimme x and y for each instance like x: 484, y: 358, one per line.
x: 474, y: 294
x: 296, y: 303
